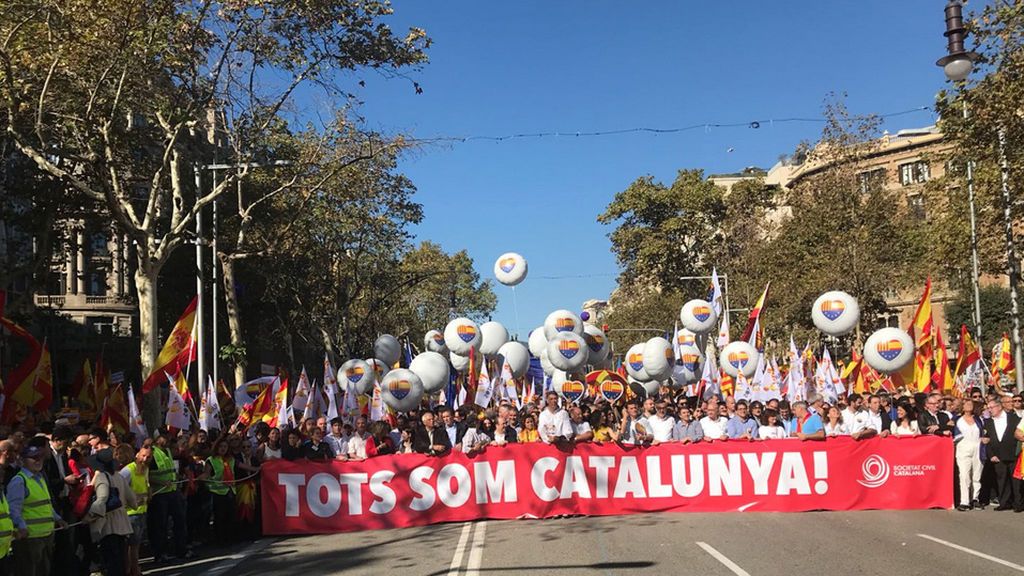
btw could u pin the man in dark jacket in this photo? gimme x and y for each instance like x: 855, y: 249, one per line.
x: 931, y: 420
x: 1001, y: 449
x: 430, y: 439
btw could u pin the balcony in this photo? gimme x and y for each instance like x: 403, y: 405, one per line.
x: 84, y: 302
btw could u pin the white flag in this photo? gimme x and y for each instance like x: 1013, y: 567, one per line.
x: 716, y: 293
x: 723, y: 330
x: 332, y: 400
x: 314, y: 405
x: 137, y: 426
x: 484, y: 387
x: 350, y: 406
x: 795, y: 383
x: 178, y: 415
x: 301, y: 391
x: 376, y: 404
x: 709, y: 378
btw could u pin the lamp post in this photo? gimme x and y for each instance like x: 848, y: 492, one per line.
x: 957, y: 64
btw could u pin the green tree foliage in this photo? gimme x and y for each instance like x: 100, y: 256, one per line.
x: 995, y: 302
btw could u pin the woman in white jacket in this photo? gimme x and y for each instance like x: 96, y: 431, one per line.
x: 110, y: 528
x: 967, y: 436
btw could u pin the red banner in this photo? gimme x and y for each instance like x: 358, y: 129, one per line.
x: 537, y: 480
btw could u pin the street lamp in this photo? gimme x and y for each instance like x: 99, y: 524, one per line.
x: 957, y: 65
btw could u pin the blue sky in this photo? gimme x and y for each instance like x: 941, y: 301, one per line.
x: 510, y: 67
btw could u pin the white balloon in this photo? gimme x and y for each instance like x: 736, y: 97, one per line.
x: 510, y: 269
x: 433, y: 341
x: 689, y: 366
x: 380, y: 369
x: 359, y: 373
x: 889, y: 350
x: 516, y: 356
x: 698, y: 316
x: 686, y: 337
x: 433, y: 370
x: 461, y: 335
x: 835, y: 313
x: 558, y: 377
x: 492, y: 336
x: 460, y: 363
x: 388, y: 349
x: 537, y: 341
x: 739, y: 357
x: 545, y: 363
x: 649, y: 386
x: 597, y: 341
x: 567, y: 351
x: 561, y: 321
x: 658, y: 358
x: 401, y: 389
x: 635, y: 363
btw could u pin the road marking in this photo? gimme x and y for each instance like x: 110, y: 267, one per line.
x: 1006, y: 563
x: 476, y: 553
x: 460, y: 550
x: 721, y: 558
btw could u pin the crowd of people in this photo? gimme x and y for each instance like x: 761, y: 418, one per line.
x: 77, y: 501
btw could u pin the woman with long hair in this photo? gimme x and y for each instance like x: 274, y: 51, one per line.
x: 379, y: 441
x: 108, y: 520
x: 221, y: 470
x: 770, y: 428
x: 529, y: 432
x: 834, y: 425
x: 905, y: 423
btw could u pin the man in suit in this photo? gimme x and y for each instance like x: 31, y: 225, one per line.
x: 932, y: 420
x: 1002, y: 452
x: 454, y: 430
x: 428, y: 439
x: 59, y: 480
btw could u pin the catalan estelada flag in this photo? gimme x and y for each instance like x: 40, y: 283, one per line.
x: 178, y: 351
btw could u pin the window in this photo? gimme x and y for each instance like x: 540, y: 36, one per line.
x: 914, y: 173
x: 98, y: 244
x: 916, y: 204
x: 871, y: 180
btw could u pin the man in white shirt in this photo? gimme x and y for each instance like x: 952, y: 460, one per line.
x: 634, y: 429
x: 553, y: 424
x: 713, y: 425
x: 337, y: 440
x: 854, y: 405
x: 357, y: 443
x: 581, y: 431
x: 648, y: 407
x: 661, y: 424
x: 870, y: 422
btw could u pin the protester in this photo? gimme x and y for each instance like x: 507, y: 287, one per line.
x: 970, y: 454
x: 137, y: 474
x: 553, y: 423
x: 770, y: 428
x: 687, y: 429
x: 108, y: 517
x: 1001, y: 450
x: 33, y: 515
x: 661, y: 424
x: 807, y: 424
x: 741, y: 426
x: 221, y: 469
x: 905, y: 423
x: 529, y: 433
x: 429, y: 439
x: 713, y: 426
x: 834, y: 422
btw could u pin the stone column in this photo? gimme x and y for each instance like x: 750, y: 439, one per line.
x: 80, y: 267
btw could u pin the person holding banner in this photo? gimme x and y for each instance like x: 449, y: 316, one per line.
x: 553, y: 423
x: 633, y: 429
x: 770, y: 428
x: 581, y: 431
x: 741, y: 426
x: 807, y: 425
x: 428, y: 439
x: 687, y: 429
x: 713, y: 425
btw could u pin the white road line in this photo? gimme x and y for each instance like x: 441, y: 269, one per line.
x: 725, y: 561
x: 476, y: 552
x: 1006, y: 563
x: 460, y: 550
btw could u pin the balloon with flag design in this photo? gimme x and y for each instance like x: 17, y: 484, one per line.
x: 433, y: 370
x: 739, y: 357
x: 561, y: 321
x: 835, y: 313
x: 698, y: 316
x: 649, y: 387
x: 358, y: 373
x: 686, y: 337
x: 433, y: 341
x: 889, y: 350
x: 380, y: 369
x: 689, y: 365
x: 658, y: 358
x: 401, y: 389
x: 510, y: 268
x: 567, y: 351
x: 634, y: 362
x: 462, y: 335
x: 596, y: 341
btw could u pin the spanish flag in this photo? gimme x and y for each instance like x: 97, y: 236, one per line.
x: 178, y: 351
x: 923, y: 332
x: 942, y: 378
x: 969, y: 352
x: 115, y: 411
x: 83, y: 389
x: 29, y: 384
x: 1002, y: 357
x: 755, y: 314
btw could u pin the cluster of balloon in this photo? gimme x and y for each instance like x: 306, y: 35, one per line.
x: 567, y: 351
x: 380, y: 369
x: 401, y: 389
x: 433, y: 370
x: 835, y: 313
x: 739, y: 358
x: 689, y: 366
x: 492, y: 337
x: 659, y: 358
x: 889, y: 350
x: 359, y: 374
x: 698, y: 316
x: 597, y: 342
x: 510, y: 269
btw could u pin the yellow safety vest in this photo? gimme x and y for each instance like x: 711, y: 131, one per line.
x: 6, y: 528
x: 217, y: 485
x: 140, y: 485
x: 163, y: 477
x: 37, y: 511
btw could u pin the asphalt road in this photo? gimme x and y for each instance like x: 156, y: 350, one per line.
x: 831, y: 543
